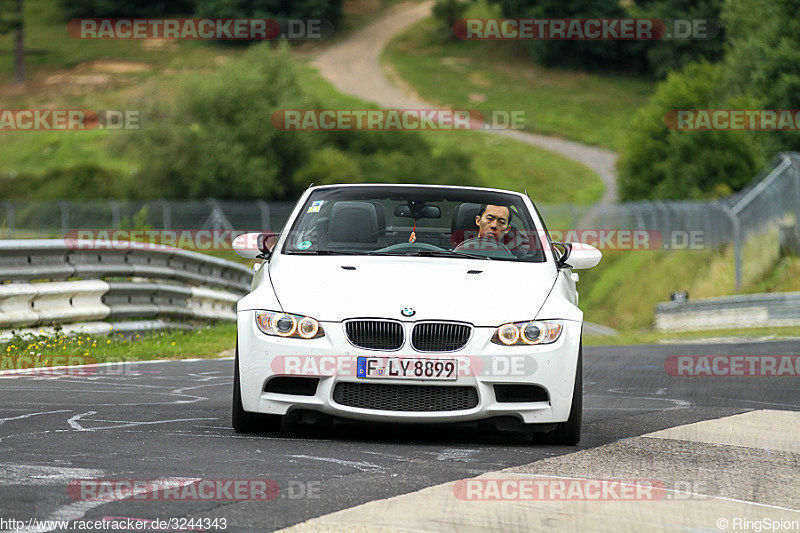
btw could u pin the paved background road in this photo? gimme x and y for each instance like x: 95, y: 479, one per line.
x: 353, y: 66
x: 172, y: 420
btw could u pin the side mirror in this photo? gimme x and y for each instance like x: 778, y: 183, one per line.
x: 255, y: 245
x: 577, y: 255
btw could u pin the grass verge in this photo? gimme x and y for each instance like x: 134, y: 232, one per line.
x: 723, y: 336
x: 31, y: 351
x: 499, y: 75
x: 502, y: 163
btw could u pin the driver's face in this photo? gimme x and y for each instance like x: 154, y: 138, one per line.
x: 493, y: 223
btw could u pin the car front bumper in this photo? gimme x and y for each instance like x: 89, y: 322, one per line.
x: 482, y: 364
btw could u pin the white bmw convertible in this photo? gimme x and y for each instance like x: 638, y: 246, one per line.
x: 412, y: 303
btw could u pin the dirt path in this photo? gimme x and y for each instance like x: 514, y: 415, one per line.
x: 353, y: 67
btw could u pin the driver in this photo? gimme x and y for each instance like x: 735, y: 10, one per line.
x: 493, y: 221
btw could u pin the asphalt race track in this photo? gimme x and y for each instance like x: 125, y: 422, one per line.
x: 167, y: 420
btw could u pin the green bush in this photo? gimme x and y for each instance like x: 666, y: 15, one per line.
x: 656, y: 57
x: 85, y: 181
x: 660, y: 163
x: 760, y: 70
x: 447, y: 12
x: 763, y: 60
x: 218, y: 141
x: 330, y: 10
x: 325, y: 166
x: 572, y: 53
x: 129, y: 8
x: 403, y: 157
x: 666, y: 55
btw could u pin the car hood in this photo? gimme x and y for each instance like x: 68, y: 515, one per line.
x: 481, y: 292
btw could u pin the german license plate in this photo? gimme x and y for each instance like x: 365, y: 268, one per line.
x: 407, y: 368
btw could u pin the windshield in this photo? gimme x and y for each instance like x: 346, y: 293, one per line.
x: 415, y: 221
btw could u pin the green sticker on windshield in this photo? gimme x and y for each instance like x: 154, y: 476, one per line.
x: 304, y: 245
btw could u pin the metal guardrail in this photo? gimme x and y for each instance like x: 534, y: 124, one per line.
x: 772, y: 197
x: 740, y: 311
x: 76, y: 282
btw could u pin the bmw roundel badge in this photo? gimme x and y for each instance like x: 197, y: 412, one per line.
x: 408, y: 311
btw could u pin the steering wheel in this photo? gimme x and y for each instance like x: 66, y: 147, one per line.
x: 475, y: 240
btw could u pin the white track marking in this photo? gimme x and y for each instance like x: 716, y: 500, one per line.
x: 455, y: 454
x: 77, y: 510
x: 361, y: 465
x: 20, y: 417
x: 73, y: 422
x: 38, y: 475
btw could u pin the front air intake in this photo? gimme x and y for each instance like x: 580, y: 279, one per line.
x: 414, y: 398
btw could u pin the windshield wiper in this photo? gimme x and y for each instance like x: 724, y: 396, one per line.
x: 323, y: 252
x: 436, y: 253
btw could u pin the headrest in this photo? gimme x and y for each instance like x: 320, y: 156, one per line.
x: 353, y: 222
x: 463, y: 225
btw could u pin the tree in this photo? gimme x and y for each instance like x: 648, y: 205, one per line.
x: 660, y: 163
x: 12, y: 20
x: 448, y: 12
x: 329, y: 10
x: 218, y: 141
x: 655, y: 57
x: 128, y: 9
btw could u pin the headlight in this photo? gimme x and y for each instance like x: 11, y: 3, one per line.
x: 532, y: 332
x: 288, y: 325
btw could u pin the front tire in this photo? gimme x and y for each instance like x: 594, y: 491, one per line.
x: 569, y: 433
x: 245, y: 421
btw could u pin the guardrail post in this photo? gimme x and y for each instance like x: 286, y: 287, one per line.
x: 10, y: 218
x: 710, y: 235
x: 64, y: 206
x: 115, y: 215
x: 217, y: 219
x: 737, y: 247
x: 263, y: 208
x: 662, y: 208
x: 796, y: 172
x: 737, y: 252
x: 166, y: 215
x: 637, y: 216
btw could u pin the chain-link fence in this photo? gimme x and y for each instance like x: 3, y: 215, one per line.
x: 26, y: 219
x: 770, y: 203
x: 752, y: 218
